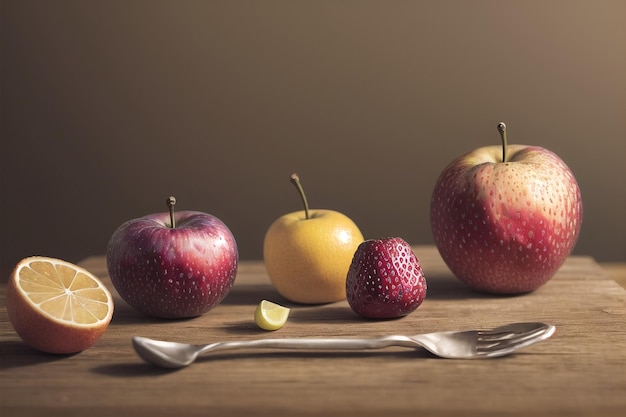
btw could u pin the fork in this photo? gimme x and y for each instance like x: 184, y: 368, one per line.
x: 467, y: 344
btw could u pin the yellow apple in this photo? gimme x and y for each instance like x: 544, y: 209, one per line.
x: 307, y: 253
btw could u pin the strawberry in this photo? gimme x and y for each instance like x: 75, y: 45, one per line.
x: 385, y: 279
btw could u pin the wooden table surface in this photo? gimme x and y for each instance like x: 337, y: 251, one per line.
x: 580, y: 371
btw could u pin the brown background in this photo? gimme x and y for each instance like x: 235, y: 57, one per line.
x: 109, y: 107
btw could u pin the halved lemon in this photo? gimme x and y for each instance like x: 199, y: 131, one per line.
x: 56, y: 306
x: 270, y: 316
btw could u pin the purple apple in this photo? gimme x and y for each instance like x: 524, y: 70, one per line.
x: 385, y: 279
x: 173, y: 265
x: 505, y: 218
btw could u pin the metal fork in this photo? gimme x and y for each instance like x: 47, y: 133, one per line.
x: 453, y: 345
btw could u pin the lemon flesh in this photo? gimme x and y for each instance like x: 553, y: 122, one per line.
x: 270, y: 316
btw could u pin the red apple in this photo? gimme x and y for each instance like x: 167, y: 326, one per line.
x: 505, y: 218
x: 173, y: 265
x: 385, y: 279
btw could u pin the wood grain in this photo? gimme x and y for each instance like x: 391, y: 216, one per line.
x: 579, y: 371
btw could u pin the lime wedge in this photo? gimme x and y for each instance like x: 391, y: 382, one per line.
x: 270, y: 316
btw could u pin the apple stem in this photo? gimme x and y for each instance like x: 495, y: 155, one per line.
x: 296, y: 181
x: 171, y: 201
x: 502, y: 130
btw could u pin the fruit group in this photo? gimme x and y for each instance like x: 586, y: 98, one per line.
x: 270, y: 316
x: 505, y: 218
x: 385, y: 279
x: 56, y: 306
x: 307, y: 253
x: 173, y: 265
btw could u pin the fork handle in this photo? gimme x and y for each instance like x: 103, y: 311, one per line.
x: 312, y: 343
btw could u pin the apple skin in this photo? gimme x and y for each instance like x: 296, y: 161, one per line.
x: 176, y: 272
x: 307, y: 259
x: 506, y: 228
x: 385, y: 279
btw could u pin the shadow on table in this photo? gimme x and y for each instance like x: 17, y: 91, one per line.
x: 23, y: 355
x: 130, y: 369
x: 445, y: 286
x: 138, y: 369
x: 124, y: 314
